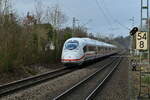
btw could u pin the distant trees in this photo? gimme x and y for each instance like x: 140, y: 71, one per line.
x: 33, y: 40
x: 39, y: 11
x: 80, y: 31
x: 5, y: 6
x: 55, y: 16
x: 37, y: 38
x: 9, y: 37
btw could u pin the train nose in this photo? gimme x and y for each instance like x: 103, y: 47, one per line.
x: 68, y: 56
x: 71, y: 57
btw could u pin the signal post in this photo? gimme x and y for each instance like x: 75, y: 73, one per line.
x: 142, y: 44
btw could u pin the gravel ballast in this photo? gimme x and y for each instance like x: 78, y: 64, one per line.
x: 50, y: 89
x: 117, y: 87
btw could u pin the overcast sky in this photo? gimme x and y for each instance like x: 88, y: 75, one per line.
x: 89, y: 13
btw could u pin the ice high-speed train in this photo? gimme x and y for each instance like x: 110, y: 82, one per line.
x: 79, y: 50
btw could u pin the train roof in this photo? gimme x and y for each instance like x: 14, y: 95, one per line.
x: 88, y: 41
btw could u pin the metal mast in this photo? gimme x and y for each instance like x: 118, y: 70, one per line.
x: 144, y: 28
x: 74, y: 26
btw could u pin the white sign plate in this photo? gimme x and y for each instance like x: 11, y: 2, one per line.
x: 141, y: 40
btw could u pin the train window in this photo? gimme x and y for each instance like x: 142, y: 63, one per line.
x: 85, y: 49
x: 106, y: 48
x: 71, y: 45
x: 91, y: 48
x: 103, y: 48
x: 99, y: 48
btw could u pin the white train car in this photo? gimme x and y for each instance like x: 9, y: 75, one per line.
x: 79, y: 50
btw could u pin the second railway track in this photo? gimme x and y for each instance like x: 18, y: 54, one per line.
x: 13, y: 87
x: 27, y: 82
x: 88, y: 87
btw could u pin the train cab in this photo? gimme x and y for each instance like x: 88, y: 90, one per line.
x: 71, y: 53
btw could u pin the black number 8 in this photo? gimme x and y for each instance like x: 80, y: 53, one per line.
x: 141, y: 44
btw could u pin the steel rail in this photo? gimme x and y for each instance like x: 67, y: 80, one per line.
x: 93, y: 93
x: 83, y: 81
x: 27, y: 82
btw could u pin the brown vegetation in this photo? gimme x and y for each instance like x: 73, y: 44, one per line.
x: 36, y: 38
x: 31, y: 40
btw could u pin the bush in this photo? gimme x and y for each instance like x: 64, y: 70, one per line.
x: 146, y: 80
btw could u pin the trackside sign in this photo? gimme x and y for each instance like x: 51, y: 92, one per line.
x: 141, y: 40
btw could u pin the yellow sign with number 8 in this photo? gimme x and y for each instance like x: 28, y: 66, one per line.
x: 141, y: 40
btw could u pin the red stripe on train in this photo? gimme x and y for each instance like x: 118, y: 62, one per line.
x: 73, y: 59
x: 78, y: 59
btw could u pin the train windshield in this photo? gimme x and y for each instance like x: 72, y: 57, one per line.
x: 71, y: 45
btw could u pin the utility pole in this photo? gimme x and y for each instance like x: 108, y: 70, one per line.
x: 74, y: 25
x: 144, y: 20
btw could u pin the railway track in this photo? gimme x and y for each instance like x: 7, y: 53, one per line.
x: 31, y: 81
x: 27, y: 82
x: 88, y: 87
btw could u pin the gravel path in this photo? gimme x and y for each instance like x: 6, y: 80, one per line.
x: 117, y: 86
x: 50, y: 89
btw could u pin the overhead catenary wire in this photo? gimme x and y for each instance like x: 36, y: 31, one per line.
x: 110, y: 15
x: 78, y: 17
x: 117, y: 21
x: 103, y: 12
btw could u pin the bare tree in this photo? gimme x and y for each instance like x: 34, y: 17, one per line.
x: 55, y: 16
x: 39, y: 11
x: 5, y: 10
x: 5, y: 6
x: 0, y: 7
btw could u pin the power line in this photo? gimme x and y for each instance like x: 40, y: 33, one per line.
x: 103, y: 12
x: 114, y: 20
x: 74, y: 25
